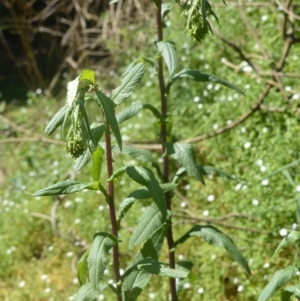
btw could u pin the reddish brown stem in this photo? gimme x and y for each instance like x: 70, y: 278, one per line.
x: 112, y: 210
x: 163, y: 142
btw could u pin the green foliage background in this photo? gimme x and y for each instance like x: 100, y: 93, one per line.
x: 42, y: 238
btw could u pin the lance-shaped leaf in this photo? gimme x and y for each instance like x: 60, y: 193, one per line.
x: 97, y: 131
x: 56, y: 121
x: 184, y: 154
x: 293, y: 238
x: 185, y: 266
x: 145, y: 177
x: 168, y: 52
x: 87, y: 293
x: 65, y: 187
x: 97, y: 259
x: 131, y: 80
x: 109, y: 110
x: 291, y: 290
x: 82, y: 267
x: 280, y: 278
x: 150, y: 221
x: 153, y: 266
x: 135, y: 282
x: 165, y: 9
x: 210, y: 170
x: 199, y: 76
x: 140, y: 194
x: 134, y: 109
x: 216, y: 238
x: 97, y: 163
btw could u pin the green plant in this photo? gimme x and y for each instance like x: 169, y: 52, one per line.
x: 282, y: 276
x: 83, y: 142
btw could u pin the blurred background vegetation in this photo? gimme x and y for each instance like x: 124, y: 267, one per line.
x: 44, y: 44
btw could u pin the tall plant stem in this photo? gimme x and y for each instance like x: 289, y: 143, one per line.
x: 112, y: 210
x: 164, y: 110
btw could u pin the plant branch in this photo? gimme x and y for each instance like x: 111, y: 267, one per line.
x: 164, y: 134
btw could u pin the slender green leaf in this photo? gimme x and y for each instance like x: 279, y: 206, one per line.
x: 168, y: 52
x: 140, y: 194
x: 82, y: 267
x: 184, y: 154
x: 185, y: 266
x: 153, y: 266
x: 108, y: 108
x: 97, y: 259
x: 87, y: 293
x: 293, y: 238
x: 97, y: 163
x: 130, y: 81
x: 56, y: 120
x: 135, y: 282
x: 199, y: 76
x: 217, y: 239
x: 280, y: 278
x: 210, y: 170
x: 117, y: 174
x: 165, y: 9
x: 291, y: 290
x: 65, y: 187
x: 145, y: 177
x: 150, y: 221
x: 134, y: 109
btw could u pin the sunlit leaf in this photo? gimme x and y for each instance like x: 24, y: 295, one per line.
x: 280, y: 278
x: 65, y: 187
x: 216, y: 238
x: 109, y: 111
x: 87, y: 293
x: 199, y: 76
x: 135, y: 281
x: 129, y: 83
x: 168, y: 52
x: 97, y: 259
x: 82, y: 267
x: 145, y: 177
x: 56, y: 121
x: 184, y: 154
x: 150, y: 221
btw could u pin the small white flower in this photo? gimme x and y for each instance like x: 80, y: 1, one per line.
x: 101, y: 208
x: 101, y: 297
x: 266, y: 265
x: 247, y: 145
x: 69, y: 254
x: 240, y: 288
x: 296, y: 96
x: 264, y: 18
x: 200, y: 290
x: 44, y: 277
x: 21, y: 284
x: 67, y: 204
x: 183, y: 204
x: 211, y: 198
x: 235, y: 280
x: 187, y: 285
x: 77, y: 221
x: 213, y: 256
x: 197, y: 98
x: 47, y: 290
x: 265, y: 182
x: 264, y: 130
x: 205, y: 213
x: 238, y: 186
x: 180, y: 257
x: 50, y: 248
x: 200, y: 106
x: 121, y: 272
x: 294, y: 226
x: 283, y: 232
x: 75, y: 280
x: 288, y: 89
x: 78, y: 199
x: 263, y: 168
x: 255, y: 202
x: 298, y: 188
x: 151, y: 296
